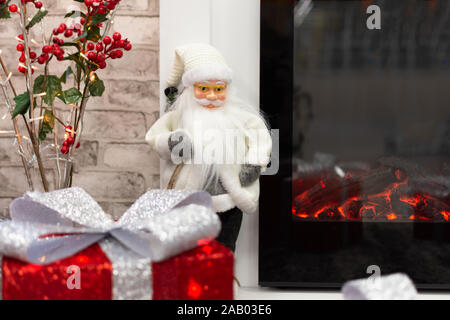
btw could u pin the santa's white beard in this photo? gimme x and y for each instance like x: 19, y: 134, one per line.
x: 217, y: 135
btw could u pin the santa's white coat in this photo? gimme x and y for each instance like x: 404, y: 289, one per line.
x: 257, y: 148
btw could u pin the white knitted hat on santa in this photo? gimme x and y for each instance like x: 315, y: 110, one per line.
x: 198, y: 62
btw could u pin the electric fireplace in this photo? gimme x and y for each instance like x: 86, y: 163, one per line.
x: 364, y: 120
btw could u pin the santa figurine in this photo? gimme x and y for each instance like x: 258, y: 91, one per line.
x: 209, y: 139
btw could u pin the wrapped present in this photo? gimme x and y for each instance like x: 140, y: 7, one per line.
x: 396, y: 286
x: 61, y: 245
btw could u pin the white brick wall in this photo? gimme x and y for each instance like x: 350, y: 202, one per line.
x: 114, y: 164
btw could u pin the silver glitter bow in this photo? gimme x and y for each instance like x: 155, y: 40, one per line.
x: 46, y: 227
x: 397, y: 286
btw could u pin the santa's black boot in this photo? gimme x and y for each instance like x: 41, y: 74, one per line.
x: 231, y: 224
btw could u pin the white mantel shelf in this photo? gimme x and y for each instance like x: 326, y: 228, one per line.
x: 291, y: 294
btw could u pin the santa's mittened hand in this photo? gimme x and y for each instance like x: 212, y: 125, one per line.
x: 249, y: 173
x: 178, y: 137
x: 180, y: 145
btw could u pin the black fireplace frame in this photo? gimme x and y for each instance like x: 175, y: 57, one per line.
x: 277, y: 232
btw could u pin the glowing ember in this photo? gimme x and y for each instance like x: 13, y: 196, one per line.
x: 384, y: 194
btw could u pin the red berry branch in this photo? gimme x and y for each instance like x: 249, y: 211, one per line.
x: 84, y: 43
x: 107, y: 49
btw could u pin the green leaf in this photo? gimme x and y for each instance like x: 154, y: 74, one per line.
x: 47, y: 125
x: 50, y: 85
x: 71, y: 13
x: 96, y: 88
x: 71, y: 95
x: 98, y: 18
x: 76, y: 58
x: 70, y: 44
x: 53, y: 88
x: 75, y: 13
x: 4, y: 12
x: 77, y: 75
x: 39, y: 86
x: 66, y: 74
x: 22, y: 104
x: 93, y: 34
x: 37, y: 18
x: 83, y: 35
x: 45, y: 129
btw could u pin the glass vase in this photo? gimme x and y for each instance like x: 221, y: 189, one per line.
x: 56, y: 168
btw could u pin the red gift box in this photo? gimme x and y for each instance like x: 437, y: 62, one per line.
x: 204, y: 273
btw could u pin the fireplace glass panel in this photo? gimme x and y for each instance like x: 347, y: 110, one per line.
x: 371, y: 120
x: 364, y: 181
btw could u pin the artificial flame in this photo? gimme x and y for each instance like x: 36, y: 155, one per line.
x: 379, y: 206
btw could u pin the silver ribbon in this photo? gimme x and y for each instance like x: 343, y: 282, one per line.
x: 132, y: 274
x: 397, y: 286
x: 47, y: 227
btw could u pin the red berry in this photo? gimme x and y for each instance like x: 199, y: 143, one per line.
x: 55, y: 31
x: 63, y: 26
x: 68, y: 33
x: 22, y: 69
x: 38, y: 4
x: 117, y: 36
x: 92, y: 55
x: 22, y: 58
x: 41, y: 60
x: 78, y: 145
x: 64, y: 150
x: 20, y: 36
x: 33, y: 55
x: 90, y: 46
x: 101, y: 57
x: 70, y: 140
x: 20, y: 47
x: 55, y: 49
x: 88, y: 3
x: 60, y: 57
x: 82, y: 20
x: 13, y: 8
x: 106, y: 40
x: 99, y: 46
x: 119, y: 54
x: 47, y: 49
x: 102, y: 64
x: 128, y: 47
x: 101, y: 10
